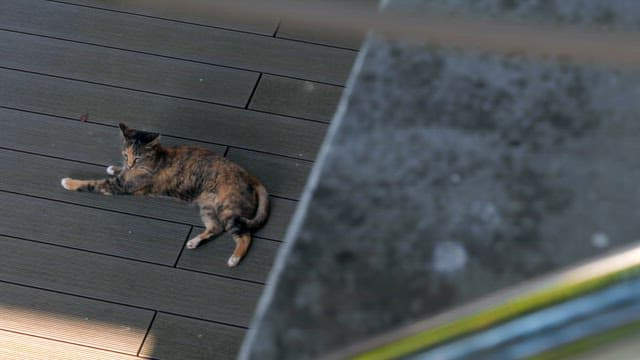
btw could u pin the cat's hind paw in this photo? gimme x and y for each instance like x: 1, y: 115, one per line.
x: 193, y: 243
x: 233, y: 261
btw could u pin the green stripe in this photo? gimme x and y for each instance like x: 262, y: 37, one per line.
x: 493, y: 316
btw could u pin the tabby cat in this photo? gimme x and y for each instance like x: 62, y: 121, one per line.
x: 230, y: 199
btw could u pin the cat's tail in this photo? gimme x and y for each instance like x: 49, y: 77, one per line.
x: 263, y: 207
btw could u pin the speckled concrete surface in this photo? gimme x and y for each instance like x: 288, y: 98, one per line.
x: 449, y: 175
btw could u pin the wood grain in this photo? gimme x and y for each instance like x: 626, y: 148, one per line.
x: 175, y: 337
x: 126, y: 69
x: 292, y: 97
x: 170, y: 116
x: 178, y: 40
x: 123, y: 281
x: 72, y: 319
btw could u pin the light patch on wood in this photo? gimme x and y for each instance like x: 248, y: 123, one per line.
x: 57, y: 326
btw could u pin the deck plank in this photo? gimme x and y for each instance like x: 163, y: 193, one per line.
x: 281, y: 176
x: 299, y: 98
x: 72, y: 140
x: 295, y: 31
x: 126, y: 69
x: 130, y: 282
x: 214, y: 46
x: 72, y: 319
x: 108, y: 232
x: 156, y: 9
x: 211, y: 257
x: 175, y: 117
x: 316, y: 34
x: 40, y: 176
x: 25, y: 347
x: 190, y: 339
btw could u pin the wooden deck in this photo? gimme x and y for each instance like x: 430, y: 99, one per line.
x: 86, y: 276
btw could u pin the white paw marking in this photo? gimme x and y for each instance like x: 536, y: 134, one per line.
x: 233, y: 261
x: 110, y: 170
x: 193, y: 243
x: 65, y: 183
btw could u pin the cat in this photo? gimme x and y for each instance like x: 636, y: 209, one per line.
x: 230, y: 199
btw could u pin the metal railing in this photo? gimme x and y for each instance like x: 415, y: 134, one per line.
x: 560, y: 314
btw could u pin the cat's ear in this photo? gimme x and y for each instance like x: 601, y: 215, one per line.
x: 126, y: 131
x: 151, y: 139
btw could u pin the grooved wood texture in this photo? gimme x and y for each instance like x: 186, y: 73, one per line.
x: 184, y: 41
x: 86, y: 276
x: 72, y: 319
x: 126, y: 69
x: 155, y: 9
x: 293, y: 97
x: 171, y: 116
x: 142, y: 285
x: 191, y: 339
x: 14, y: 346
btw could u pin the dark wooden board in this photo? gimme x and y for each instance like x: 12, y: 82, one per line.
x: 175, y: 117
x: 91, y: 229
x: 175, y: 337
x: 73, y: 140
x: 211, y: 257
x: 14, y: 346
x: 72, y: 319
x: 158, y: 9
x: 126, y: 69
x: 129, y: 282
x: 302, y: 32
x: 280, y: 214
x: 300, y: 98
x: 185, y: 41
x: 281, y: 176
x: 351, y: 39
x: 40, y: 176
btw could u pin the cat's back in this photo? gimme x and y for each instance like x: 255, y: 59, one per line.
x: 186, y: 152
x: 189, y: 160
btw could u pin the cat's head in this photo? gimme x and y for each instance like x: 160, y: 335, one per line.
x: 139, y: 147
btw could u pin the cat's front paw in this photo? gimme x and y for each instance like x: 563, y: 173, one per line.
x: 113, y: 170
x: 67, y: 183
